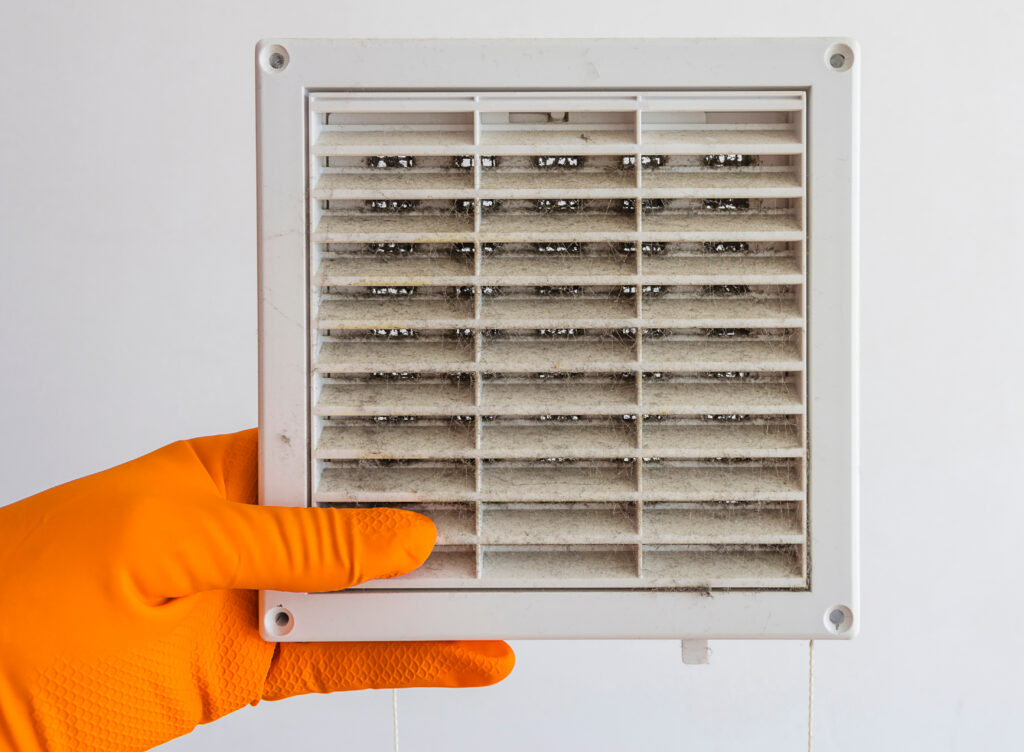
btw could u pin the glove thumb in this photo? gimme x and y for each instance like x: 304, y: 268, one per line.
x: 318, y: 667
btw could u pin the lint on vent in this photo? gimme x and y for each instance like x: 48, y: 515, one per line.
x: 577, y: 329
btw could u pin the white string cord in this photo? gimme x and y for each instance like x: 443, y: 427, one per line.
x: 810, y: 697
x: 394, y: 714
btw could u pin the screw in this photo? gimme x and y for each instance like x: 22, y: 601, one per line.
x: 276, y: 60
x: 838, y: 60
x: 837, y: 617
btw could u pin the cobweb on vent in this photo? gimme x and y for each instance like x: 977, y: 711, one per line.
x: 577, y: 386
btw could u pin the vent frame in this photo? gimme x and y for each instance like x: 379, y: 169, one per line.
x: 717, y: 65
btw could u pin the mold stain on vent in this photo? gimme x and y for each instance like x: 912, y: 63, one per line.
x: 574, y: 338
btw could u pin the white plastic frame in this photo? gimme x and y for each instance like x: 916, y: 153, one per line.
x: 288, y: 71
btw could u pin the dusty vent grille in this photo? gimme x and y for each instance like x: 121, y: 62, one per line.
x: 568, y: 328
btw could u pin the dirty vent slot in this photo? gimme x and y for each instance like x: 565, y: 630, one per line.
x: 568, y: 328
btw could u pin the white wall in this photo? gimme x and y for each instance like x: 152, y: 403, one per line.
x: 128, y: 320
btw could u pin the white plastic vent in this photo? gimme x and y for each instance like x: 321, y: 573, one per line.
x: 598, y: 326
x: 569, y: 328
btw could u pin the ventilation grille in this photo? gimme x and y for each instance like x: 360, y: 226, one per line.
x: 568, y: 328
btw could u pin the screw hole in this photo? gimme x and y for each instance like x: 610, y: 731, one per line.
x: 839, y: 57
x: 838, y: 619
x: 274, y: 58
x: 278, y: 621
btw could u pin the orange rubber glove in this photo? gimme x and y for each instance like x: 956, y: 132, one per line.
x: 129, y: 604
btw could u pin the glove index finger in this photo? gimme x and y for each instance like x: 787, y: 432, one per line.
x: 292, y: 548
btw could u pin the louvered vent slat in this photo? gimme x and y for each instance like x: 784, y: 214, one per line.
x: 402, y: 440
x: 340, y: 228
x: 383, y: 397
x: 368, y: 183
x: 585, y: 352
x: 527, y: 183
x: 734, y: 141
x: 387, y: 482
x: 696, y: 184
x: 692, y: 269
x: 696, y: 397
x: 591, y: 268
x: 438, y: 140
x: 762, y: 439
x: 715, y: 481
x: 739, y: 355
x: 603, y: 223
x: 738, y: 226
x: 610, y: 395
x: 428, y: 269
x: 569, y: 329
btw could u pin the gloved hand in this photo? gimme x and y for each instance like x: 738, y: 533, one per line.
x: 129, y: 612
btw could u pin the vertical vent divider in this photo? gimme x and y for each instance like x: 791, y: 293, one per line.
x: 477, y: 375
x: 638, y: 466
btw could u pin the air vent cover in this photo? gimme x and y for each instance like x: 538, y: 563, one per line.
x: 585, y: 359
x: 576, y: 328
